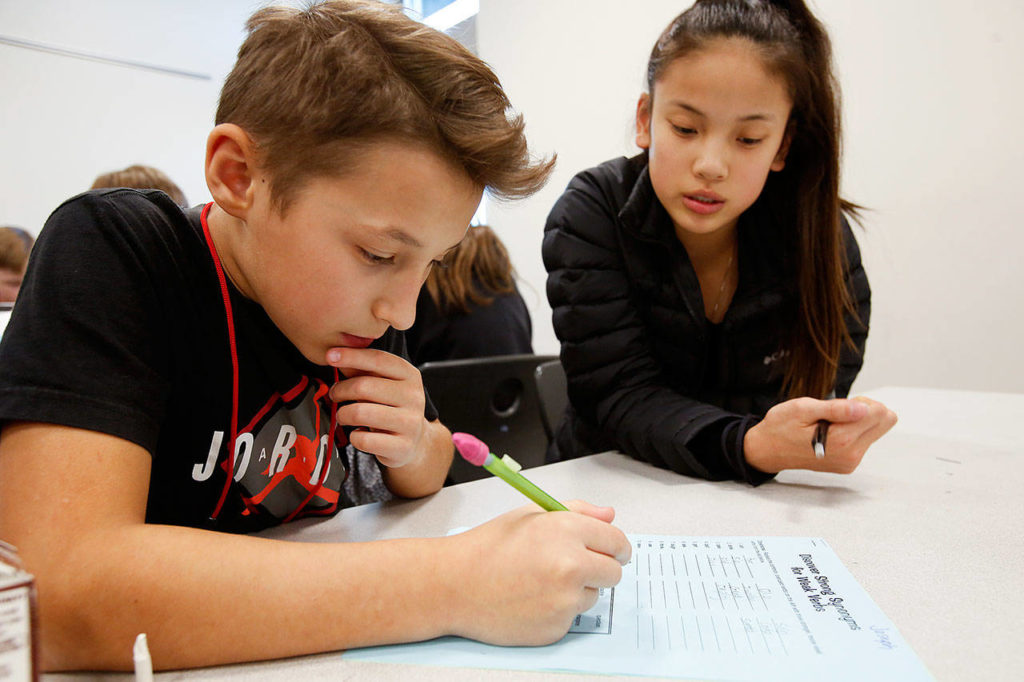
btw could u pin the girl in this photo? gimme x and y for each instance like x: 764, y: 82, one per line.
x: 708, y: 293
x: 471, y: 307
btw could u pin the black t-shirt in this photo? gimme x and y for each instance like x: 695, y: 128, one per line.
x: 120, y: 328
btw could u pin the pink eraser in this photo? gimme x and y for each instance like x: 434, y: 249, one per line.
x: 472, y: 449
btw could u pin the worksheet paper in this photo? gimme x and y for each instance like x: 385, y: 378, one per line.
x: 729, y: 608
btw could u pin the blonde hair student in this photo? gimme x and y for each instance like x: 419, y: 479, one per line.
x: 15, y: 245
x: 213, y: 371
x: 141, y: 177
x: 708, y: 292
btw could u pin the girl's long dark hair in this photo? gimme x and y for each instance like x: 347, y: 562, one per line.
x: 803, y: 199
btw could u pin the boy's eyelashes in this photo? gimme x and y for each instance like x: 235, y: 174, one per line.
x: 375, y: 259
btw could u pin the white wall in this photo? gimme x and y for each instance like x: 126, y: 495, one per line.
x: 932, y: 102
x: 933, y: 141
x: 65, y: 120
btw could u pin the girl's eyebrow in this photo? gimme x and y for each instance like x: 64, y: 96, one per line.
x: 697, y: 112
x: 687, y: 107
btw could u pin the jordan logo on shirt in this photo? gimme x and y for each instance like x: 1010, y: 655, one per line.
x: 280, y: 456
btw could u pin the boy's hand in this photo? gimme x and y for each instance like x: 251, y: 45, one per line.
x: 783, y: 439
x: 381, y: 395
x: 522, y: 577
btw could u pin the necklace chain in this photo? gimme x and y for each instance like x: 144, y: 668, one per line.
x: 721, y: 288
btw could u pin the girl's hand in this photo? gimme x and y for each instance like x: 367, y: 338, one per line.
x: 523, y: 577
x: 381, y: 395
x: 783, y: 439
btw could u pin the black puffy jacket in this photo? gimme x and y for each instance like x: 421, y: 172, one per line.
x: 647, y: 373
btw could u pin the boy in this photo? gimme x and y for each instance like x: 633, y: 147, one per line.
x: 206, y: 370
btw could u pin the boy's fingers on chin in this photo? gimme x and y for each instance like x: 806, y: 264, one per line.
x: 368, y: 361
x: 351, y: 373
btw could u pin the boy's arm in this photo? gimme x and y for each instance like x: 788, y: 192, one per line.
x: 426, y: 474
x: 74, y: 502
x: 382, y: 395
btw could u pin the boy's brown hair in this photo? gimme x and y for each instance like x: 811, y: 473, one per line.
x: 312, y: 87
x: 141, y: 177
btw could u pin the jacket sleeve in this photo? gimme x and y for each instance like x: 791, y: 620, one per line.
x: 852, y: 359
x: 614, y: 381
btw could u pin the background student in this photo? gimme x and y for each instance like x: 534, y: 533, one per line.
x: 708, y: 293
x: 15, y: 245
x: 470, y: 307
x: 174, y: 378
x: 141, y: 177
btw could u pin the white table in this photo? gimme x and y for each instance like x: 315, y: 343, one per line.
x: 928, y: 526
x: 5, y: 317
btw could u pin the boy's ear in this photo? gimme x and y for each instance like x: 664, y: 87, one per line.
x: 643, y: 121
x: 780, y: 156
x: 230, y: 169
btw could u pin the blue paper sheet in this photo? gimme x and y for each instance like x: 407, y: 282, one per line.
x: 729, y: 608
